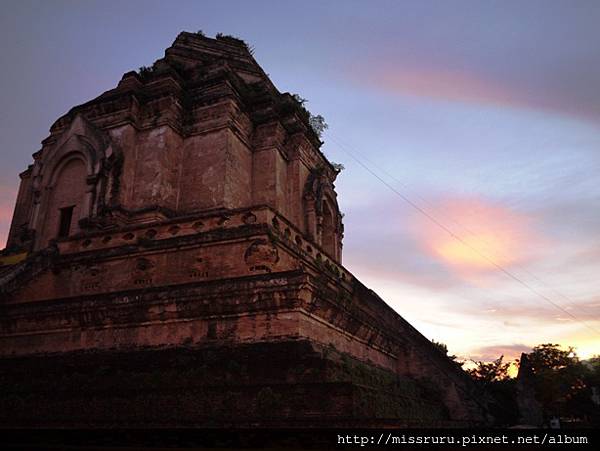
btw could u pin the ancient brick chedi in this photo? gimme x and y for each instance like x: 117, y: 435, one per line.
x: 175, y: 259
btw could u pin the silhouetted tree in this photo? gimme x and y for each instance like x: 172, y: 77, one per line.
x: 549, y: 356
x: 495, y: 381
x: 561, y: 381
x: 488, y: 372
x: 593, y: 373
x: 444, y: 350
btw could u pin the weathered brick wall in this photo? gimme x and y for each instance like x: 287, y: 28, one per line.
x: 231, y: 280
x: 189, y: 135
x: 205, y: 215
x: 68, y: 189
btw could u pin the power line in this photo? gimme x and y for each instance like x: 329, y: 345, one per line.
x: 459, y: 239
x: 466, y: 229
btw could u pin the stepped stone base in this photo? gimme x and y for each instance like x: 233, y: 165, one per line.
x: 284, y: 384
x: 175, y: 259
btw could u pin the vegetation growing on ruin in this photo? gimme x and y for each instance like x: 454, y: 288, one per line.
x: 560, y: 382
x: 234, y: 40
x: 316, y: 122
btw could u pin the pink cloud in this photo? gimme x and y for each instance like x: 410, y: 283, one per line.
x: 442, y: 84
x: 484, y: 234
x: 489, y: 353
x: 475, y: 86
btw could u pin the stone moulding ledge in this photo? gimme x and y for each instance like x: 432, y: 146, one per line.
x: 265, y: 215
x: 190, y: 291
x: 136, y: 235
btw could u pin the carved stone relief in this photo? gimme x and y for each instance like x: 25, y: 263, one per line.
x: 261, y: 255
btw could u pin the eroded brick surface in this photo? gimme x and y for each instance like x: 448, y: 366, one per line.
x: 205, y: 223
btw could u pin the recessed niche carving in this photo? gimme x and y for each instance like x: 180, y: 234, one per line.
x: 195, y: 274
x: 91, y: 277
x: 146, y: 281
x: 143, y: 264
x: 198, y: 268
x: 86, y: 243
x: 128, y: 236
x: 261, y: 255
x: 198, y: 225
x: 150, y: 234
x: 249, y: 218
x: 92, y: 271
x: 106, y: 239
x: 174, y: 230
x: 260, y: 268
x: 90, y: 286
x: 143, y: 271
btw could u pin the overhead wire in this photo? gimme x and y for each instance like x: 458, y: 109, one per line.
x: 466, y: 229
x: 458, y: 238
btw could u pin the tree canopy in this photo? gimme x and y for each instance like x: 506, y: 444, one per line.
x: 559, y: 381
x: 488, y: 372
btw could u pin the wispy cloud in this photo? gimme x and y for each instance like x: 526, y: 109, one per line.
x: 509, y: 351
x: 441, y: 83
x: 538, y: 56
x: 535, y: 310
x: 478, y: 237
x: 452, y: 84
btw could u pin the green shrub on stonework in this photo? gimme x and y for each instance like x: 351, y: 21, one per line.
x: 328, y: 351
x: 226, y: 406
x: 299, y: 369
x: 317, y: 122
x: 299, y: 99
x: 234, y: 367
x: 234, y: 39
x: 267, y: 402
x: 339, y: 167
x: 145, y: 71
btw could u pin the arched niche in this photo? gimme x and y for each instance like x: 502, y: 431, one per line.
x: 65, y: 199
x: 328, y: 230
x: 323, y: 220
x: 74, y: 180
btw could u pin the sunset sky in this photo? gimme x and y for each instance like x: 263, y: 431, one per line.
x: 484, y: 115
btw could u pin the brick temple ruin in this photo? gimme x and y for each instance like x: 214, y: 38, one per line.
x: 175, y: 259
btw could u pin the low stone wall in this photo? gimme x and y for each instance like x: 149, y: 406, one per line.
x: 249, y: 283
x: 293, y: 383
